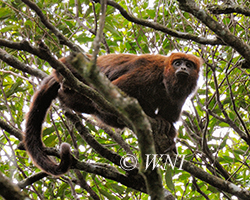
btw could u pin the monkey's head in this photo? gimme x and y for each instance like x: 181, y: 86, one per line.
x: 185, y: 65
x: 182, y: 66
x: 181, y: 72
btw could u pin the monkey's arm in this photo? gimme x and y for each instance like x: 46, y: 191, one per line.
x: 33, y: 142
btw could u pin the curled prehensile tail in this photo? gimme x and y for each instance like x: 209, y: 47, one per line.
x: 33, y: 142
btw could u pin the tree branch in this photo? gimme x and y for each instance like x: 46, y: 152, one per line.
x: 83, y: 183
x: 113, y: 134
x: 190, y: 6
x: 32, y: 179
x: 14, y: 62
x: 44, y: 53
x: 164, y: 29
x: 134, y: 117
x: 212, y: 180
x: 63, y: 40
x: 84, y: 133
x: 11, y: 130
x: 226, y: 9
x: 135, y: 181
x: 9, y: 190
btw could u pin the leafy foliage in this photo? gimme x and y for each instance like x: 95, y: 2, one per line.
x: 215, y: 125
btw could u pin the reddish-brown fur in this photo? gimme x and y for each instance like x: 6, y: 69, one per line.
x: 151, y: 79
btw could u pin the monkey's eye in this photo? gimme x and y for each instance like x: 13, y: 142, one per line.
x: 190, y: 65
x: 177, y: 63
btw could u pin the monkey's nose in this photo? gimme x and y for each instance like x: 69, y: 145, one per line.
x: 184, y: 68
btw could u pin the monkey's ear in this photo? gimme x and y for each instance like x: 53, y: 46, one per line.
x: 201, y: 62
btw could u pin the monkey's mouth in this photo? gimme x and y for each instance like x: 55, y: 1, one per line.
x: 181, y: 75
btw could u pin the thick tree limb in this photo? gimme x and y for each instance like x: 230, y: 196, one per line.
x: 226, y: 9
x: 44, y: 53
x: 132, y: 112
x: 32, y: 179
x: 9, y: 190
x: 136, y: 120
x: 11, y: 130
x: 135, y: 181
x: 14, y: 62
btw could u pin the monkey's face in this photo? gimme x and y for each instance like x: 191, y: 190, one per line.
x: 183, y: 68
x: 181, y: 74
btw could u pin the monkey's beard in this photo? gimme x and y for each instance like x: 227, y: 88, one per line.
x: 179, y: 87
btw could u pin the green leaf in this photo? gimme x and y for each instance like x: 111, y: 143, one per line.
x: 151, y: 13
x: 224, y: 142
x: 48, y: 131
x: 9, y: 28
x: 50, y: 141
x: 14, y: 88
x: 86, y: 14
x: 5, y: 12
x: 169, y: 178
x: 107, y: 194
x: 117, y: 188
x: 112, y: 30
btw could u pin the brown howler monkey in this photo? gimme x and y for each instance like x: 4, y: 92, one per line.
x: 161, y: 85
